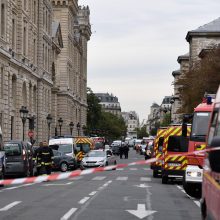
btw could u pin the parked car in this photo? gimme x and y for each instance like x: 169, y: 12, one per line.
x: 63, y: 162
x: 98, y: 158
x: 115, y: 147
x: 18, y: 158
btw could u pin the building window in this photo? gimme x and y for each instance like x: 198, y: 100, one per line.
x: 24, y: 40
x: 2, y: 20
x: 35, y: 12
x: 13, y: 34
x: 2, y: 82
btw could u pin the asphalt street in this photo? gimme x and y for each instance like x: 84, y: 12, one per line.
x: 124, y: 194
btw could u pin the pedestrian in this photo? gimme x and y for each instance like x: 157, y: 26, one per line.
x: 121, y: 150
x: 79, y: 156
x: 44, y: 159
x: 126, y: 150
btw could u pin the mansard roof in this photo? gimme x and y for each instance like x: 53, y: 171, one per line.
x: 176, y: 73
x: 210, y: 29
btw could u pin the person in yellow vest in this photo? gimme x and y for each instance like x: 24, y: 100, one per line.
x: 79, y: 156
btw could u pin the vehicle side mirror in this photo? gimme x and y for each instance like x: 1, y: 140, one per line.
x: 214, y: 155
x: 108, y: 155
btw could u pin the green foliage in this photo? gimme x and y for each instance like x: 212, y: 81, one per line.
x: 166, y: 120
x: 202, y: 77
x: 103, y: 123
x: 142, y: 132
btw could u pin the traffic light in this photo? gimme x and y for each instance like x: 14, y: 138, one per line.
x: 32, y: 123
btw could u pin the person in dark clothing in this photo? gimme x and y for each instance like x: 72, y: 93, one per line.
x: 126, y: 150
x: 121, y: 151
x: 44, y: 159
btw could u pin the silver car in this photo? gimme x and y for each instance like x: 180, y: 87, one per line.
x: 98, y: 158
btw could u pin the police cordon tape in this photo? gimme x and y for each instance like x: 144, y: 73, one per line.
x: 76, y: 173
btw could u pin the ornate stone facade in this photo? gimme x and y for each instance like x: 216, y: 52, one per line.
x: 43, y: 65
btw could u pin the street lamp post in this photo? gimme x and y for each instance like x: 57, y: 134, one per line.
x: 171, y: 103
x: 71, y: 127
x: 49, y: 121
x: 60, y: 122
x: 78, y: 127
x: 23, y: 115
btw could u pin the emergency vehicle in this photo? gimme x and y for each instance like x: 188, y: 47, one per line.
x: 158, y: 151
x: 210, y: 201
x: 192, y: 180
x: 176, y: 141
x: 83, y: 146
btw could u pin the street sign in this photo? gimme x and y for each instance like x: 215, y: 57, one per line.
x: 30, y: 133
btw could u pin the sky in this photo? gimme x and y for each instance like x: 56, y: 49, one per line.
x: 134, y: 46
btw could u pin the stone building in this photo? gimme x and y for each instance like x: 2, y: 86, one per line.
x: 109, y: 103
x: 32, y: 44
x: 132, y: 122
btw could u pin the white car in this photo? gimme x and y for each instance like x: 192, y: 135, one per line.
x: 98, y: 158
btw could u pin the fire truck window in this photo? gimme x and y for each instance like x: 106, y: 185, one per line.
x: 212, y: 127
x: 178, y: 144
x: 160, y: 144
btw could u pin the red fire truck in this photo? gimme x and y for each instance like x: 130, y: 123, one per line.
x: 192, y: 180
x: 174, y: 147
x: 210, y: 201
x: 158, y: 151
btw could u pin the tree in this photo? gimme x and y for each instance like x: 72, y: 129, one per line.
x: 203, y: 77
x: 142, y: 132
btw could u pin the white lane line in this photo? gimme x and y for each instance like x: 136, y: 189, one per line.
x: 120, y: 168
x: 85, y: 199
x: 197, y: 203
x: 9, y: 206
x: 76, y: 178
x: 146, y: 168
x: 68, y: 214
x: 16, y: 187
x: 99, y: 178
x: 179, y: 187
x: 122, y: 178
x: 146, y: 179
x: 92, y: 193
x: 133, y: 168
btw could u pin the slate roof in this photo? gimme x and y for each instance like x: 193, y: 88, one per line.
x: 211, y: 28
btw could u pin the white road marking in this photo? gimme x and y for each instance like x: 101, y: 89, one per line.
x: 16, y: 187
x: 141, y: 211
x: 133, y: 168
x: 197, y: 203
x: 120, y: 168
x: 58, y: 184
x: 142, y: 185
x: 93, y: 193
x: 68, y: 214
x: 99, y: 178
x: 122, y: 178
x: 9, y: 206
x: 76, y: 178
x: 82, y: 201
x: 146, y: 179
x: 146, y: 168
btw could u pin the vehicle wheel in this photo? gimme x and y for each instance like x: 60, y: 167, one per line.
x: 192, y: 189
x: 164, y: 179
x: 203, y: 209
x: 155, y: 173
x: 2, y: 176
x: 63, y: 167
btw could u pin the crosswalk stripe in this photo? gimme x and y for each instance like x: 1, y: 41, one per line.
x: 122, y: 178
x: 99, y: 178
x: 146, y: 179
x: 133, y: 168
x: 120, y: 168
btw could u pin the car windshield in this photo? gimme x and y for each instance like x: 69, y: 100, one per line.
x: 63, y: 148
x: 200, y: 125
x: 12, y: 149
x: 85, y: 147
x: 96, y: 154
x: 178, y: 144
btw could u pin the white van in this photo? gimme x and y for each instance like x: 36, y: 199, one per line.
x: 63, y: 145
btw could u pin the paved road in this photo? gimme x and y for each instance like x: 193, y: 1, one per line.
x: 123, y: 194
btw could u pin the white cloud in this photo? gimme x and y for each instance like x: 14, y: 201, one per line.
x: 135, y: 45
